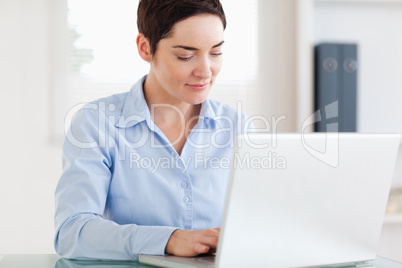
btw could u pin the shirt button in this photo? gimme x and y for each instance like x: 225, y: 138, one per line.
x: 186, y: 199
x: 184, y: 185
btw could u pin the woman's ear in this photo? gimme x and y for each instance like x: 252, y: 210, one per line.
x: 144, y: 48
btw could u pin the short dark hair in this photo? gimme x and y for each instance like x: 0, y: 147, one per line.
x: 156, y: 18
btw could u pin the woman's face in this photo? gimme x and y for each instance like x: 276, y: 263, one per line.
x: 186, y: 64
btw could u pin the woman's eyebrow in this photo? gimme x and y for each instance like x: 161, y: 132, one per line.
x: 195, y: 49
x: 218, y: 45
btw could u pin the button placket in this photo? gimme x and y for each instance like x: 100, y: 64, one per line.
x: 186, y: 192
x: 180, y: 164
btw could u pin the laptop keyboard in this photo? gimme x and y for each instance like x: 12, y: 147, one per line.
x: 205, y: 259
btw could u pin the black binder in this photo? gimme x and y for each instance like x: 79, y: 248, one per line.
x: 336, y: 87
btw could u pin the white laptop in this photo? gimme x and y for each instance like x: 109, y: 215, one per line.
x: 299, y: 200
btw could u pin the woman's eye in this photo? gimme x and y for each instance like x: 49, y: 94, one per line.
x: 184, y: 58
x: 216, y: 54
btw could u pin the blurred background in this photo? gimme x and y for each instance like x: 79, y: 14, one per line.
x: 57, y: 54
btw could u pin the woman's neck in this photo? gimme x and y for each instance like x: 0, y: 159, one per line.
x: 166, y: 109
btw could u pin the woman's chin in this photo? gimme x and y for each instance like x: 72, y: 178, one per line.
x: 196, y: 100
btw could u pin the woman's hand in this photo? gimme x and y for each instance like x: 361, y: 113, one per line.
x: 192, y: 243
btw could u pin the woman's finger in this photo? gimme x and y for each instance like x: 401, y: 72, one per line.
x: 200, y: 248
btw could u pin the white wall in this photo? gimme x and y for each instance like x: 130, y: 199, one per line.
x: 277, y: 57
x: 30, y: 164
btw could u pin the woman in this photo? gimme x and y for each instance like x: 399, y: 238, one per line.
x: 145, y: 172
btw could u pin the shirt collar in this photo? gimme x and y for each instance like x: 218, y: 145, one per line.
x: 136, y: 108
x: 207, y: 111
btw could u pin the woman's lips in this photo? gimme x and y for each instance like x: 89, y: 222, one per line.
x: 198, y: 87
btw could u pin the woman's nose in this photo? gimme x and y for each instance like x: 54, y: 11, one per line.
x: 203, y: 69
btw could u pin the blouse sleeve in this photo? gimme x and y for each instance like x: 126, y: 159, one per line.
x: 80, y: 198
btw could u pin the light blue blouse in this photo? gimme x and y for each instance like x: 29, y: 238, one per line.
x: 124, y: 189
